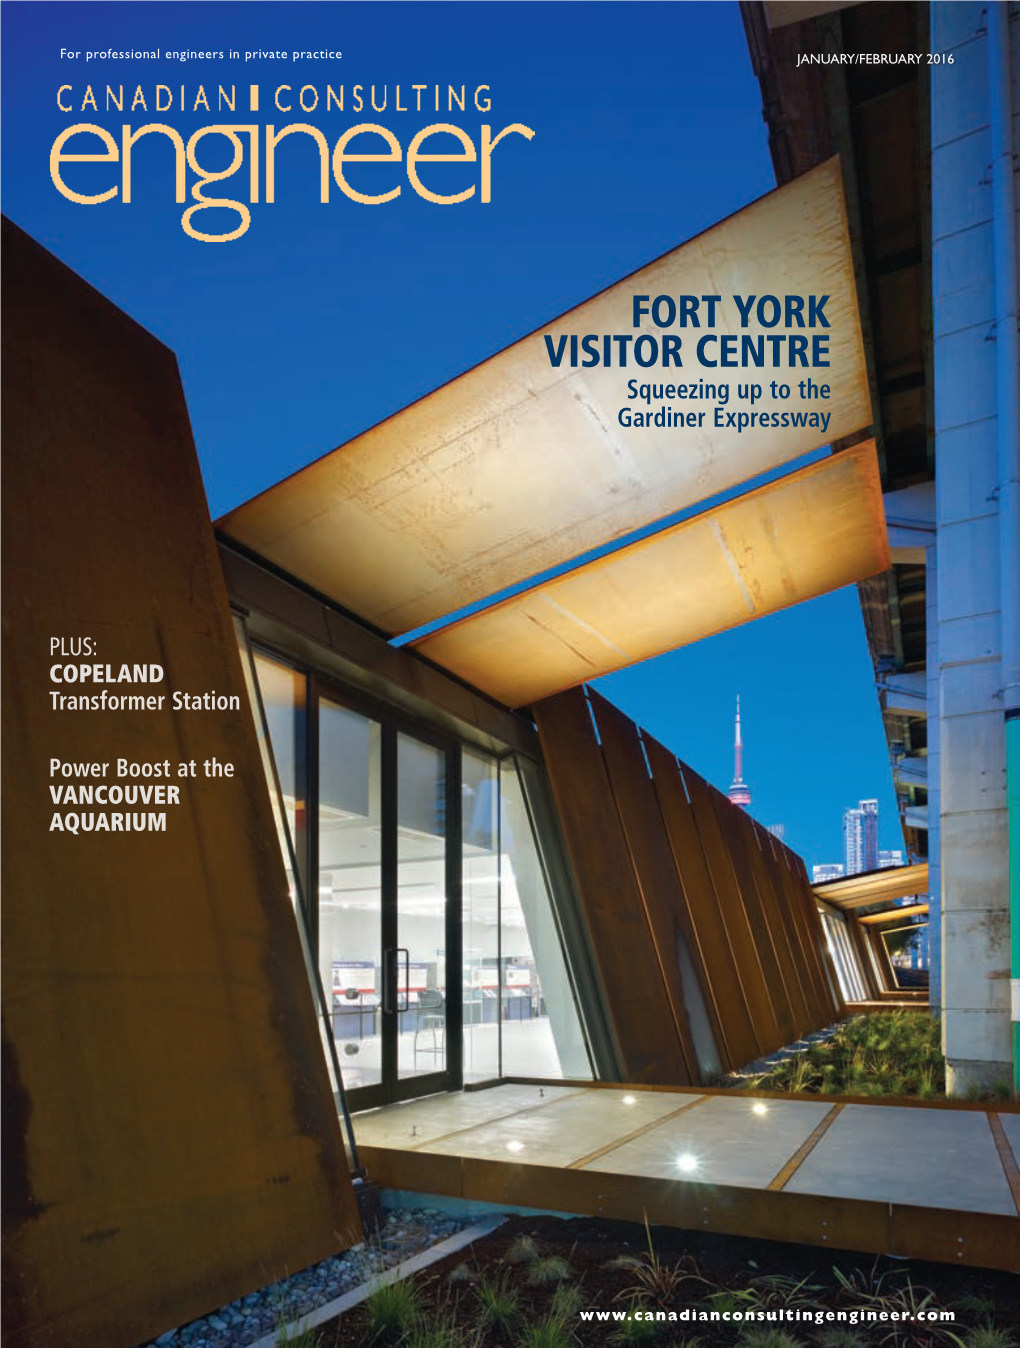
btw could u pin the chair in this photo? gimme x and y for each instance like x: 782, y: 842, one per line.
x: 431, y: 1027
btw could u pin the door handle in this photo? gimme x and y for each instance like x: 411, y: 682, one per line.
x: 388, y: 979
x: 407, y: 978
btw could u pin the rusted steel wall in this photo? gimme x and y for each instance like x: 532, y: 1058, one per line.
x: 639, y: 1010
x: 664, y: 862
x: 170, y: 1138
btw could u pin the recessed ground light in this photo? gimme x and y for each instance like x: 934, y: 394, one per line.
x: 687, y: 1162
x: 759, y: 1108
x: 630, y: 1099
x: 515, y: 1146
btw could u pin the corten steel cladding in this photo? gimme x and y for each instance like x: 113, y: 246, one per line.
x: 658, y: 853
x: 809, y: 934
x: 783, y: 930
x: 745, y: 951
x: 650, y: 856
x: 738, y: 841
x: 170, y: 1139
x: 637, y: 1000
x: 809, y: 908
x: 421, y: 515
x: 736, y: 1041
x: 798, y: 537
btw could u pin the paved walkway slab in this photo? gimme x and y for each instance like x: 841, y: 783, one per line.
x: 931, y: 1181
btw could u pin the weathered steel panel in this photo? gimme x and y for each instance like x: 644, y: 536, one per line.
x: 739, y: 842
x: 779, y: 13
x: 737, y: 1041
x: 812, y: 980
x: 781, y: 925
x: 170, y: 1139
x: 745, y: 952
x: 637, y: 1002
x: 800, y: 536
x: 650, y: 854
x: 518, y: 465
x: 817, y: 945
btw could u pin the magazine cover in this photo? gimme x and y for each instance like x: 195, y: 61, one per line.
x: 511, y: 674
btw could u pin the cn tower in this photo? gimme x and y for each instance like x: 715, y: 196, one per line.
x: 738, y: 792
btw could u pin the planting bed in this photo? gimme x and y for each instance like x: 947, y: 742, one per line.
x: 523, y: 1286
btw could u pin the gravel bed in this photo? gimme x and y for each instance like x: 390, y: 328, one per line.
x: 743, y: 1076
x: 403, y: 1233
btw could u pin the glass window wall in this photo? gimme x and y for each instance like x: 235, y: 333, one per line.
x: 848, y: 971
x: 520, y: 1014
x: 374, y: 780
x: 350, y: 887
x: 285, y: 697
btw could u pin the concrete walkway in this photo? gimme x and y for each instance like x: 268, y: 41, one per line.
x: 934, y: 1181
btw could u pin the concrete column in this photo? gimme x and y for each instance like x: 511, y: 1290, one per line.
x: 970, y: 735
x: 934, y: 783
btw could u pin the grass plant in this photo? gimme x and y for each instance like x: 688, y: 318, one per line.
x: 842, y: 1336
x: 885, y: 1053
x: 298, y: 1336
x: 523, y: 1249
x: 567, y: 1300
x: 767, y: 1338
x: 729, y: 1302
x: 549, y: 1332
x: 987, y: 1336
x: 974, y: 1306
x: 633, y: 1332
x: 441, y: 1332
x: 653, y: 1279
x: 778, y: 1289
x: 392, y: 1309
x: 498, y: 1302
x: 549, y: 1268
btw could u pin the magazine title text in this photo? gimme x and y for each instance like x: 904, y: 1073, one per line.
x: 364, y: 143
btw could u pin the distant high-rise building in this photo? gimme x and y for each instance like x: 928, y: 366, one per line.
x: 739, y: 792
x: 888, y: 858
x: 829, y: 870
x: 778, y: 831
x: 860, y: 837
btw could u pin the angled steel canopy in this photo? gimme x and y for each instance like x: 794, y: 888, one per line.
x: 779, y: 13
x: 518, y: 466
x: 860, y: 891
x: 894, y: 914
x: 798, y: 537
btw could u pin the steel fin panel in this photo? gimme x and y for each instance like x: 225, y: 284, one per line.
x: 171, y: 1137
x: 637, y: 1002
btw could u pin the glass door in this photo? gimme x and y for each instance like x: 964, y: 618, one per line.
x: 388, y: 903
x: 350, y: 888
x: 420, y: 951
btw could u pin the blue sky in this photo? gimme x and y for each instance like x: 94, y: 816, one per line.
x: 323, y: 319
